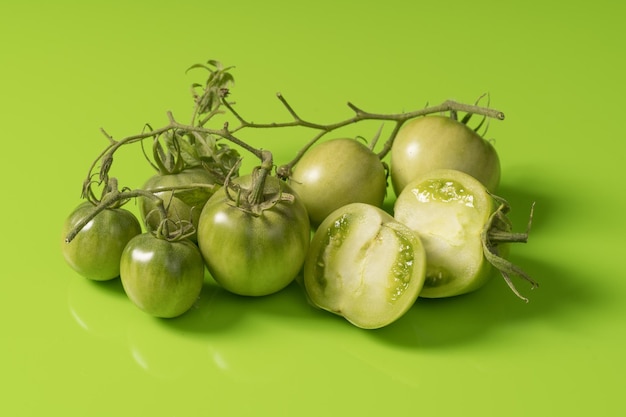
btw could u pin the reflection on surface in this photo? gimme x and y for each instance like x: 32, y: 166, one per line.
x: 161, y: 349
x: 97, y: 306
x: 240, y: 339
x: 244, y: 339
x: 162, y: 354
x: 230, y: 339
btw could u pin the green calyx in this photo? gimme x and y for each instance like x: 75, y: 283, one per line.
x: 498, y: 231
x: 168, y: 161
x: 174, y: 231
x: 260, y: 192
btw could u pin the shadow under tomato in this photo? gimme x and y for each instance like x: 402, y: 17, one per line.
x: 388, y: 205
x: 219, y: 310
x: 113, y: 286
x: 215, y: 309
x: 436, y: 323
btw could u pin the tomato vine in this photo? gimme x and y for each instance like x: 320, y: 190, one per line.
x: 211, y: 99
x: 199, y: 203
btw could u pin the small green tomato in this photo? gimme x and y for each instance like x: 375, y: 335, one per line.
x: 338, y: 172
x: 440, y: 142
x: 96, y: 250
x: 182, y: 205
x: 163, y: 278
x: 254, y: 254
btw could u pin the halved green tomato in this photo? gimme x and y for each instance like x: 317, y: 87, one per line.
x: 463, y: 228
x: 449, y: 210
x: 365, y: 266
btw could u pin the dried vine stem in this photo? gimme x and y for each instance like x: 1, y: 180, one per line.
x: 218, y: 95
x: 110, y: 199
x: 106, y: 156
x: 114, y: 196
x: 359, y: 115
x: 213, y: 100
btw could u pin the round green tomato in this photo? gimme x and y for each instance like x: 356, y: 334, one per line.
x: 365, y: 266
x: 338, y: 172
x: 250, y: 254
x: 96, y: 250
x: 163, y: 278
x: 439, y: 142
x: 183, y: 205
x: 449, y: 210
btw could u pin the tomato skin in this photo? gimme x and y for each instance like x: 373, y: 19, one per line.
x: 449, y: 210
x: 365, y: 266
x: 177, y: 208
x: 163, y: 278
x: 440, y: 142
x: 96, y: 250
x: 338, y: 172
x: 254, y: 255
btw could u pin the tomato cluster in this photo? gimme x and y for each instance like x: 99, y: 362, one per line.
x: 319, y: 216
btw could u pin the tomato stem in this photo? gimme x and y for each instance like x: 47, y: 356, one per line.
x: 113, y: 197
x: 257, y: 193
x: 361, y: 115
x: 255, y: 197
x: 497, y: 231
x: 498, y: 236
x: 212, y: 99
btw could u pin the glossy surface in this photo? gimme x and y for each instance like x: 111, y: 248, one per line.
x: 163, y: 278
x: 95, y: 251
x: 439, y: 142
x: 77, y: 348
x: 254, y: 254
x: 335, y: 173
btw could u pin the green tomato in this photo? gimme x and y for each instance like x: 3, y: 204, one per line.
x: 254, y: 253
x: 365, y: 266
x: 96, y: 250
x: 182, y: 205
x: 439, y: 142
x: 335, y: 173
x: 163, y: 278
x: 449, y: 210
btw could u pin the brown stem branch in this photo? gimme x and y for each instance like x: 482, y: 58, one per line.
x: 360, y: 115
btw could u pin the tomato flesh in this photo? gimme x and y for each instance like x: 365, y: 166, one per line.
x: 364, y: 266
x: 448, y: 209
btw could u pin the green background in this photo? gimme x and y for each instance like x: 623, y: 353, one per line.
x: 75, y: 348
